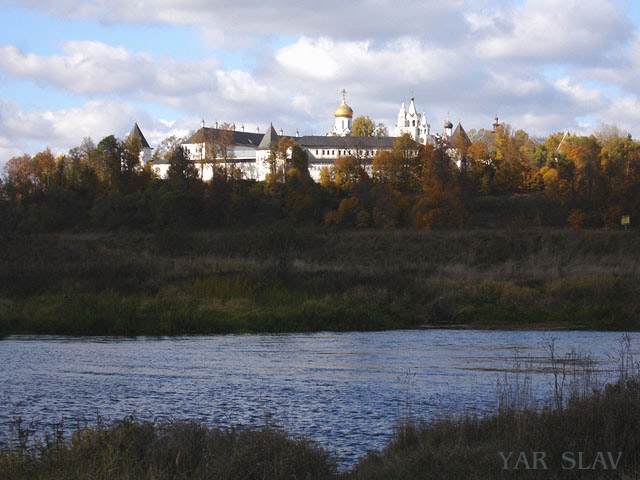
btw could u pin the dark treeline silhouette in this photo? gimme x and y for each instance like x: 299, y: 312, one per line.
x: 492, y: 179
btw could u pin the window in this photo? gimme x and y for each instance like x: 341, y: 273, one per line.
x: 414, y: 123
x: 316, y: 152
x: 333, y: 152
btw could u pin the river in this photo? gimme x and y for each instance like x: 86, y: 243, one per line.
x: 346, y: 391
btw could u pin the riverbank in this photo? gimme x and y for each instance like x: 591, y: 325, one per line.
x: 285, y: 279
x: 590, y: 435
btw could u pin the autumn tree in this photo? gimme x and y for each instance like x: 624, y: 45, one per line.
x: 400, y: 166
x: 26, y: 175
x: 585, y: 176
x: 439, y: 204
x: 205, y: 153
x: 510, y: 160
x: 381, y: 130
x: 363, y: 127
x: 17, y: 177
x: 166, y: 147
x: 346, y: 173
x: 224, y: 143
x: 278, y: 159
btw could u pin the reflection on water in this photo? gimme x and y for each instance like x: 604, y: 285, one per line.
x: 344, y: 390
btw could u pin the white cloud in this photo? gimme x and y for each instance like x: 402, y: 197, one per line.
x: 406, y: 59
x: 592, y: 98
x: 234, y: 22
x: 572, y: 31
x: 30, y: 131
x: 474, y: 62
x: 90, y: 67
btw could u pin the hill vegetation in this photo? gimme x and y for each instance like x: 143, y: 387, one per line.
x: 501, y: 179
x: 92, y: 243
x: 284, y: 278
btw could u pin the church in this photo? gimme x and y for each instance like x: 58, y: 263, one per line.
x: 248, y: 151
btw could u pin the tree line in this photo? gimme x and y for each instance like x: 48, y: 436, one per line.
x: 492, y: 178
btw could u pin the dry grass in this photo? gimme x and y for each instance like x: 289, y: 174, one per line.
x: 258, y: 280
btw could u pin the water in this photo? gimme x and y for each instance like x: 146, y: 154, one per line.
x: 344, y: 390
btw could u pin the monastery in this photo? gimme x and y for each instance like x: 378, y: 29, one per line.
x: 249, y: 150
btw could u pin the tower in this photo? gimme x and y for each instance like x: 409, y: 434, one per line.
x: 145, y: 149
x: 413, y: 123
x: 448, y: 128
x: 343, y: 118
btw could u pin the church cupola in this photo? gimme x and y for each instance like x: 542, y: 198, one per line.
x: 343, y: 117
x: 448, y: 128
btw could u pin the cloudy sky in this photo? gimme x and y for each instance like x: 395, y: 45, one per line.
x: 72, y: 68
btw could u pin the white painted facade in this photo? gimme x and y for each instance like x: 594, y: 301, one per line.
x: 413, y: 123
x: 249, y: 151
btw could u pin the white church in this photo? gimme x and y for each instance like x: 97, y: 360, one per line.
x: 248, y: 151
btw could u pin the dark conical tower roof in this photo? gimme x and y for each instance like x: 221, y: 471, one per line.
x: 269, y: 138
x: 460, y: 135
x: 136, y: 132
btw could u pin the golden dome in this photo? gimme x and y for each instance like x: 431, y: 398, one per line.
x: 343, y: 110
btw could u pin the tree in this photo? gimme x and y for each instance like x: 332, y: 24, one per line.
x: 181, y: 171
x: 299, y: 159
x: 18, y: 180
x: 347, y: 173
x: 398, y: 168
x: 381, y: 130
x: 131, y: 155
x: 206, y: 152
x: 223, y: 143
x: 109, y: 161
x: 166, y: 147
x: 277, y: 160
x: 26, y: 175
x: 363, y: 127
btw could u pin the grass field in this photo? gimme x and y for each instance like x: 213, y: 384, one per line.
x: 281, y: 278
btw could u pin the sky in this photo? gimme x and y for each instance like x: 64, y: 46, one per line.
x: 71, y: 69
